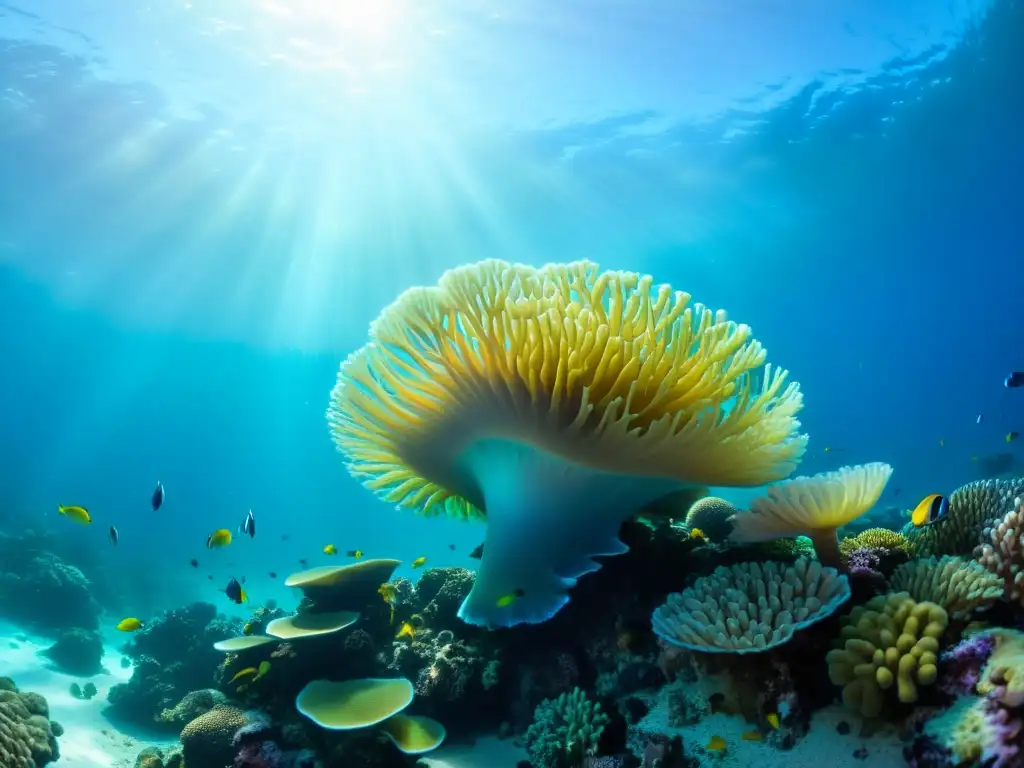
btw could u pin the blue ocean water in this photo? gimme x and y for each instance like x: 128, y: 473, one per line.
x: 203, y: 206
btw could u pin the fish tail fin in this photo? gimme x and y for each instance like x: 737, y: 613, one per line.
x: 61, y: 509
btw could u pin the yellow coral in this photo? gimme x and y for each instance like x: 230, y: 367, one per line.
x: 555, y: 403
x: 875, y: 538
x: 891, y: 640
x: 1003, y: 674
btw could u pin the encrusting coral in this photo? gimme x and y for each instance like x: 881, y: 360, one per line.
x: 961, y: 587
x: 750, y: 607
x: 565, y: 731
x: 972, y: 508
x: 1003, y: 554
x: 814, y: 507
x: 27, y: 737
x: 891, y: 640
x: 554, y: 403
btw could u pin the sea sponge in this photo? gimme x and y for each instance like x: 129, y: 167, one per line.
x: 1003, y: 554
x: 891, y: 640
x: 354, y: 703
x: 207, y: 740
x: 564, y: 731
x: 711, y: 515
x: 750, y: 607
x: 972, y: 508
x: 876, y: 539
x: 960, y: 586
x: 814, y: 507
x: 26, y: 738
x: 554, y: 403
x: 1002, y: 677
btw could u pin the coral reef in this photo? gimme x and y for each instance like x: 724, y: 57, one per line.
x: 972, y: 508
x: 892, y: 640
x: 77, y: 652
x: 210, y: 738
x: 192, y: 706
x: 565, y: 730
x: 961, y: 587
x: 710, y: 515
x: 47, y: 594
x: 27, y: 737
x: 750, y: 607
x: 1003, y: 554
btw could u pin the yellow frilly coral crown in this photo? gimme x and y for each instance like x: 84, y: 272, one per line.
x: 553, y: 403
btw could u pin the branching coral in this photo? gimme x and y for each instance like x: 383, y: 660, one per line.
x: 972, y: 508
x: 878, y: 540
x: 750, y: 607
x: 555, y: 403
x: 814, y: 507
x: 1003, y: 554
x: 959, y: 586
x: 26, y: 737
x: 565, y: 731
x: 892, y: 640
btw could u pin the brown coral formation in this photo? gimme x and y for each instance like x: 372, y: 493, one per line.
x: 206, y: 740
x: 26, y: 737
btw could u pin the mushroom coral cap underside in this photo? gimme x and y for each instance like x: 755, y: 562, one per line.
x: 584, y: 394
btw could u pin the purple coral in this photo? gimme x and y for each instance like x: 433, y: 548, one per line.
x: 1004, y: 728
x: 259, y: 754
x: 962, y: 664
x: 864, y: 562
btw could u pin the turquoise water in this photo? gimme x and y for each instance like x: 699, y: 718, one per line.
x: 203, y: 206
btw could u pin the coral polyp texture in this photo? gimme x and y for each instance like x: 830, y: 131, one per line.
x: 814, y: 507
x: 565, y: 730
x: 27, y: 738
x: 553, y: 403
x: 890, y: 641
x: 960, y: 586
x: 972, y: 508
x: 1003, y: 554
x: 750, y: 607
x: 711, y: 516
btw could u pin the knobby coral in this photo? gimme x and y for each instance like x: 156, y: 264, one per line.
x: 209, y: 738
x: 553, y: 403
x: 891, y: 640
x: 1003, y: 554
x: 814, y: 507
x: 26, y: 737
x: 751, y: 606
x: 959, y: 586
x: 972, y: 508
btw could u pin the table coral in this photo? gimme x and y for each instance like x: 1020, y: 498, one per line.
x: 565, y: 730
x: 960, y: 586
x: 891, y: 640
x: 750, y: 607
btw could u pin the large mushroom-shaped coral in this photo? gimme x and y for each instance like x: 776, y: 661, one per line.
x: 814, y: 507
x: 891, y: 640
x: 750, y: 607
x: 353, y: 704
x: 350, y: 587
x: 972, y: 508
x: 554, y: 403
x: 961, y: 587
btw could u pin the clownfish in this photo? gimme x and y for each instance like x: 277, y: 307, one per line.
x: 932, y: 509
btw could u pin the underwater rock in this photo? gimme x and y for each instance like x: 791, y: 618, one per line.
x: 159, y: 757
x: 77, y: 652
x: 47, y: 594
x: 27, y: 737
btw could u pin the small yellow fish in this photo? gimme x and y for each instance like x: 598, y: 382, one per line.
x: 717, y: 744
x: 752, y: 736
x: 419, y: 562
x: 407, y: 630
x: 697, y: 533
x: 79, y: 514
x: 247, y: 672
x: 356, y: 553
x: 388, y: 592
x: 247, y: 628
x: 219, y: 538
x: 506, y: 600
x: 330, y: 549
x: 129, y: 625
x: 773, y: 720
x: 264, y: 668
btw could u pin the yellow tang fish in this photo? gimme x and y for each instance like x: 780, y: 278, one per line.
x: 717, y: 744
x: 407, y: 630
x: 244, y: 673
x: 932, y: 509
x: 75, y: 514
x: 506, y: 600
x: 129, y: 625
x: 356, y: 553
x: 419, y: 562
x: 219, y: 538
x: 330, y: 549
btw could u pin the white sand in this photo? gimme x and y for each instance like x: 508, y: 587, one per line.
x: 89, y: 740
x: 490, y: 752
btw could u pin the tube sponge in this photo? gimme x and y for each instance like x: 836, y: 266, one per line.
x: 959, y: 586
x: 815, y: 507
x: 890, y: 641
x: 553, y: 403
x: 750, y: 607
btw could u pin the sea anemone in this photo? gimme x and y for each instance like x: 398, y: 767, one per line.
x: 554, y: 403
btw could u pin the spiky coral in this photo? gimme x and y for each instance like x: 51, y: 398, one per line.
x: 972, y: 508
x: 892, y: 640
x: 555, y: 402
x: 960, y: 586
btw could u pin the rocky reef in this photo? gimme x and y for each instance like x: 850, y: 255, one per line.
x: 28, y: 738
